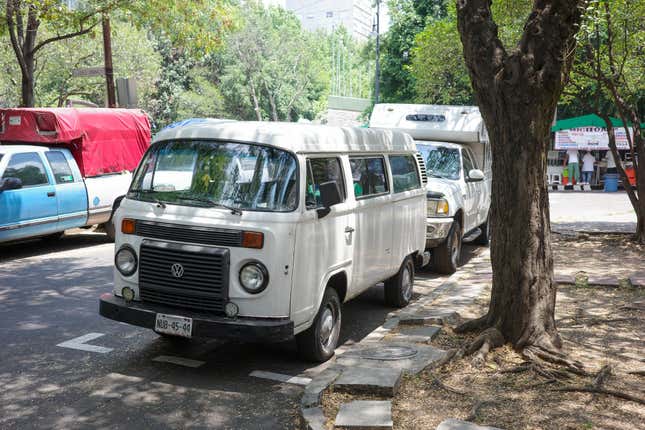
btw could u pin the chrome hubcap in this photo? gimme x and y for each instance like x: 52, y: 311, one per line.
x: 407, y: 284
x: 327, y: 327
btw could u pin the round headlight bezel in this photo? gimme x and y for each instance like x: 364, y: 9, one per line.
x: 263, y: 271
x: 135, y: 266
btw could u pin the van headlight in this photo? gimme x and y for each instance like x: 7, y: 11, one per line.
x: 254, y: 277
x: 125, y: 260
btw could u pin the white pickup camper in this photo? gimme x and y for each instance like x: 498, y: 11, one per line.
x: 455, y: 147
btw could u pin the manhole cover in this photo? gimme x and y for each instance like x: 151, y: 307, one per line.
x: 389, y: 353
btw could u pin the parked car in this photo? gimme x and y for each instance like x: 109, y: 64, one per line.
x: 259, y: 231
x: 77, y: 164
x: 454, y: 145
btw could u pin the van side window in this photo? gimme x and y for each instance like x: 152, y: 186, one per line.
x: 368, y: 175
x: 405, y: 175
x: 319, y: 171
x: 60, y: 167
x: 28, y: 167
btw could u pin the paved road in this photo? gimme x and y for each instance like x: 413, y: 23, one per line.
x: 49, y: 295
x: 592, y: 211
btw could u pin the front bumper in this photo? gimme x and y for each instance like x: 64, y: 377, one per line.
x: 204, y: 325
x: 437, y: 230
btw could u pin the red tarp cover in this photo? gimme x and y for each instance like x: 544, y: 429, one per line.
x: 101, y: 140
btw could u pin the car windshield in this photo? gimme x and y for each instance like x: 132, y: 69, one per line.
x: 441, y: 162
x: 237, y: 176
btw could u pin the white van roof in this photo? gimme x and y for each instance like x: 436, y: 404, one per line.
x: 459, y: 124
x: 298, y: 138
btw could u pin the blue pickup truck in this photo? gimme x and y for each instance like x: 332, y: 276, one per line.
x: 42, y: 193
x: 63, y: 168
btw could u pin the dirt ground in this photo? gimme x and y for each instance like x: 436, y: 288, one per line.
x: 599, y: 326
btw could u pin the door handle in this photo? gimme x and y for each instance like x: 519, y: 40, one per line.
x: 349, y: 230
x: 51, y: 193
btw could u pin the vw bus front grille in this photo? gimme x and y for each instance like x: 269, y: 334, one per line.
x: 188, y: 276
x: 190, y: 234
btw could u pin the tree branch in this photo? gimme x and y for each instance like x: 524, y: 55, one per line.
x: 62, y: 37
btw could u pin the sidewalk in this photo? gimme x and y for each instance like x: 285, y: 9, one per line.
x: 376, y: 364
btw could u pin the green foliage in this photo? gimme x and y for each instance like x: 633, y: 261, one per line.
x: 272, y: 68
x: 438, y: 68
x: 397, y: 83
x: 610, y: 48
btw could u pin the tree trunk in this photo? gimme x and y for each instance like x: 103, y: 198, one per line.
x: 517, y: 92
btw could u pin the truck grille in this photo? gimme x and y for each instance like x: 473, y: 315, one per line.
x: 182, y: 233
x: 187, y: 276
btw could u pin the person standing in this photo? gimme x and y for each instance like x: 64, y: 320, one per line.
x: 574, y: 168
x: 588, y: 162
x: 611, y: 164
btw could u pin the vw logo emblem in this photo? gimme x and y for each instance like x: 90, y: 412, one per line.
x: 177, y: 270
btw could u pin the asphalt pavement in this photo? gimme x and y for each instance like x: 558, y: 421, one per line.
x: 109, y: 374
x: 65, y: 367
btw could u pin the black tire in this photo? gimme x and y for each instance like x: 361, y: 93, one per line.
x: 109, y: 229
x: 53, y: 237
x: 319, y: 341
x: 445, y: 258
x: 484, y: 238
x: 399, y: 288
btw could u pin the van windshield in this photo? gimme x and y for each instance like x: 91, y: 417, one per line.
x: 207, y: 173
x: 441, y: 162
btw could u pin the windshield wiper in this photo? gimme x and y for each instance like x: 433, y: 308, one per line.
x: 149, y: 191
x: 212, y: 203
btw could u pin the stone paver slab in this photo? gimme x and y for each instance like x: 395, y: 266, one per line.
x: 315, y: 418
x: 609, y: 281
x: 365, y: 415
x: 424, y: 355
x: 420, y: 334
x: 313, y: 391
x: 453, y: 424
x: 637, y: 281
x: 380, y: 381
x: 429, y: 316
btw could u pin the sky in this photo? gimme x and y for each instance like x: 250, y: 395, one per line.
x: 385, y: 18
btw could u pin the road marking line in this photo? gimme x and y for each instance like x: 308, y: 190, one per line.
x: 178, y: 360
x: 79, y: 343
x: 297, y: 380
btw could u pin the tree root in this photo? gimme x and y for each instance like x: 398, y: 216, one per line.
x: 489, y: 339
x: 470, y: 326
x: 538, y: 354
x: 445, y: 387
x: 596, y: 387
x: 614, y: 393
x: 474, y: 411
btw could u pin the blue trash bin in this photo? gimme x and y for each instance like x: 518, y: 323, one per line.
x: 611, y: 182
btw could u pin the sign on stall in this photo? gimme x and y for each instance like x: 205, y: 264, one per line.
x: 590, y: 138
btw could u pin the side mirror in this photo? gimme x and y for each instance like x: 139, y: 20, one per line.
x: 475, y: 175
x: 330, y: 196
x: 10, y: 184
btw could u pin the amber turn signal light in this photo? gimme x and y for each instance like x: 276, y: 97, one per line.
x: 252, y: 239
x: 128, y: 226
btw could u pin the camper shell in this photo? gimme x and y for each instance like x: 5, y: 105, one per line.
x: 318, y: 213
x: 455, y: 146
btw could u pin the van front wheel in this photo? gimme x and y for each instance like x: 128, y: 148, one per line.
x: 319, y: 341
x: 398, y: 289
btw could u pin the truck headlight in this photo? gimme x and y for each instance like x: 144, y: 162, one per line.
x: 125, y: 260
x: 438, y: 207
x: 442, y: 207
x: 254, y: 277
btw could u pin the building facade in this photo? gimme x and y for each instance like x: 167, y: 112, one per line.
x: 355, y: 15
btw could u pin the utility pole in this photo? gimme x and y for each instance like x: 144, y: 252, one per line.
x: 107, y: 55
x: 377, y: 76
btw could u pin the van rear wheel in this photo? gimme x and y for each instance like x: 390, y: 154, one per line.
x: 445, y: 258
x: 319, y: 341
x: 398, y: 289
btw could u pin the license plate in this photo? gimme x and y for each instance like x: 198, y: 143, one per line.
x: 175, y: 325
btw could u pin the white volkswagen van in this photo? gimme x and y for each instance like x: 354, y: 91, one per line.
x: 259, y: 231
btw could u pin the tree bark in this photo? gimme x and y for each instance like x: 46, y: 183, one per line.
x: 517, y: 92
